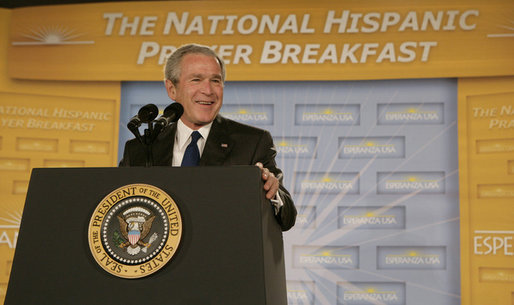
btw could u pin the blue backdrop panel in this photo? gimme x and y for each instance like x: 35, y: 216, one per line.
x: 372, y: 166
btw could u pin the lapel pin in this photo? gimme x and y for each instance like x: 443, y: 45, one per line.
x: 224, y: 145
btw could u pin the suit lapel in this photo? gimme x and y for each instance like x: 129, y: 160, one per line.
x: 218, y: 144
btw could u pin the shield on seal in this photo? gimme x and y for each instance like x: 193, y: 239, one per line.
x: 133, y: 236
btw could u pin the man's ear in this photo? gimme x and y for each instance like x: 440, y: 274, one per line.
x: 171, y: 89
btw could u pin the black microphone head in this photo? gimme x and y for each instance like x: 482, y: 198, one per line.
x: 134, y: 122
x: 175, y: 109
x: 170, y: 114
x: 148, y: 113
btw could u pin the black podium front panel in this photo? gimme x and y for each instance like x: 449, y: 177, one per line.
x: 231, y: 251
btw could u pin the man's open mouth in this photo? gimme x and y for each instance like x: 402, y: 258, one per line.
x: 204, y: 103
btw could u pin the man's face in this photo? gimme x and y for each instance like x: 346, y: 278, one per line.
x: 199, y: 89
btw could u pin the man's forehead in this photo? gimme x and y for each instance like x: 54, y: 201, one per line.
x: 200, y: 65
x: 195, y: 57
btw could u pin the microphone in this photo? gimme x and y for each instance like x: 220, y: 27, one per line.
x: 170, y: 115
x: 134, y: 123
x: 148, y: 113
x: 145, y: 115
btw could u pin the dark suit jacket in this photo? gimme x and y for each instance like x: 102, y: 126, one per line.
x: 245, y: 145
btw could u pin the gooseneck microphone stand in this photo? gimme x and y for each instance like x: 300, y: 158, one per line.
x: 145, y: 115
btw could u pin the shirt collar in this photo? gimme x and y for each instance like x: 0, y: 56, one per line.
x: 184, y: 132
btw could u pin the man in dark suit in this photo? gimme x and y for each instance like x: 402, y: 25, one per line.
x: 195, y: 78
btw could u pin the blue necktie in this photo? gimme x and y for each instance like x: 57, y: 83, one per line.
x: 192, y: 154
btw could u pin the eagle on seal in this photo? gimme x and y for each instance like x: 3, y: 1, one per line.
x: 135, y: 231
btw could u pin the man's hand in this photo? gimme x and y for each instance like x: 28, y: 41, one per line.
x: 270, y: 181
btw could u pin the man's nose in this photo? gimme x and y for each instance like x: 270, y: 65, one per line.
x: 207, y: 87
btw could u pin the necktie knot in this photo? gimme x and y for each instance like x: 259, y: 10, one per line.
x: 192, y: 153
x: 195, y: 135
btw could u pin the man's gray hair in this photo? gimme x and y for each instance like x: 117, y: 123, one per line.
x: 172, y: 68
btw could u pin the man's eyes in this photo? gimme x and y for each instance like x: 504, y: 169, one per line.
x: 214, y: 80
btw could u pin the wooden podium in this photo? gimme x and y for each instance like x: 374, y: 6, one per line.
x: 231, y: 251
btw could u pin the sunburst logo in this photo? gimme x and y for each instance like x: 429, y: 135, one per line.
x: 12, y: 221
x: 285, y: 143
x: 52, y: 35
x: 506, y: 29
x: 9, y: 227
x: 412, y: 111
x: 327, y: 257
x: 327, y: 253
x: 243, y: 111
x: 328, y: 183
x: 413, y: 179
x: 414, y: 253
x: 327, y: 179
x: 327, y: 112
x: 370, y: 290
x: 413, y: 257
x: 380, y: 147
x: 253, y: 114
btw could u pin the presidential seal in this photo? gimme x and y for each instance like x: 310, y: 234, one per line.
x: 135, y: 231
